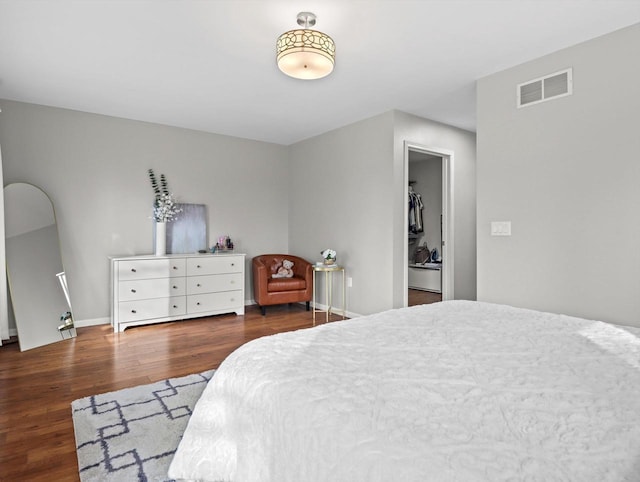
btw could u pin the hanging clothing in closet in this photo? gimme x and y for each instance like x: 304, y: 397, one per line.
x: 415, y: 212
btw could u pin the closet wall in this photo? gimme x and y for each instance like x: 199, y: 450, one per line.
x: 426, y: 172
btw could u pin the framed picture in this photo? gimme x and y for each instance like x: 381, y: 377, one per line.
x: 188, y: 233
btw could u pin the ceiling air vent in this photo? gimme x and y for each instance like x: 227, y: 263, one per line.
x: 545, y: 88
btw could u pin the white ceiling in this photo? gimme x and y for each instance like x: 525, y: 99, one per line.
x: 210, y: 65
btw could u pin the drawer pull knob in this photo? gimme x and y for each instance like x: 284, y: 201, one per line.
x: 133, y: 311
x: 175, y: 287
x: 198, y: 303
x: 175, y: 267
x: 233, y: 264
x: 175, y: 306
x: 197, y: 266
x: 133, y: 270
x: 198, y: 285
x: 133, y: 291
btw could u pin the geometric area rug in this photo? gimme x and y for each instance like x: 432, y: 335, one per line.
x: 132, y: 434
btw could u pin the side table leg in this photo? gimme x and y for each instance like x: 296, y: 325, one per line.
x: 344, y: 295
x: 314, y: 297
x: 327, y: 286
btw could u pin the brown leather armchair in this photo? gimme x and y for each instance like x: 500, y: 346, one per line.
x: 268, y: 290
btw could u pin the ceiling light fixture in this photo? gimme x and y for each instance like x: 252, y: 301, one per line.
x: 305, y: 53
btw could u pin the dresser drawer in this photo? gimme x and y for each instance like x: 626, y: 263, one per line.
x: 150, y: 268
x: 154, y: 308
x: 226, y: 300
x: 215, y: 265
x: 214, y: 282
x: 151, y: 288
x: 424, y: 279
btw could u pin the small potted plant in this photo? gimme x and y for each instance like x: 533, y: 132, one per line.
x: 329, y: 256
x: 165, y: 209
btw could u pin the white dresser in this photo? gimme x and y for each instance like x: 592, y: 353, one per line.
x: 152, y: 289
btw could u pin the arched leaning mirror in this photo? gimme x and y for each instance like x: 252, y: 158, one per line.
x: 35, y: 274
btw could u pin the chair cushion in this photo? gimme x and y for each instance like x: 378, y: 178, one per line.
x: 286, y: 284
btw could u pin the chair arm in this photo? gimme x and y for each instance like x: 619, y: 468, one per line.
x: 260, y: 279
x: 309, y: 277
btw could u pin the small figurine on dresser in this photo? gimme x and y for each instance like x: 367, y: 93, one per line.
x: 224, y: 244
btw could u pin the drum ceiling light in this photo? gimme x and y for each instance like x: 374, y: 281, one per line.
x: 304, y: 53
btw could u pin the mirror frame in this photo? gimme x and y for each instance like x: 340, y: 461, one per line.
x: 31, y: 332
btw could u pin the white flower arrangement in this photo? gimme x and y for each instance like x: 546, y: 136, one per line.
x: 328, y: 254
x: 165, y: 207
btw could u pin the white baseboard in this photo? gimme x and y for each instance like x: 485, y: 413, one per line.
x: 319, y: 306
x: 106, y: 320
x: 92, y: 322
x: 335, y: 311
x: 12, y: 333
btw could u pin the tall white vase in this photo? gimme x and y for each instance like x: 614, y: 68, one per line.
x: 161, y: 239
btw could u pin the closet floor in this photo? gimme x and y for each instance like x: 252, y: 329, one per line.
x: 419, y: 297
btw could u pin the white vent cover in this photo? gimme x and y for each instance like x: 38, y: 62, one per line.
x: 545, y: 88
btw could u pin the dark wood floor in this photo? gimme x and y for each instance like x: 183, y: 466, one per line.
x: 419, y: 297
x: 38, y: 386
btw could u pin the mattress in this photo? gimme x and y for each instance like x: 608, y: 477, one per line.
x: 454, y: 391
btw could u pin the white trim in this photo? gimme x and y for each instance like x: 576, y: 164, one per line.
x: 448, y: 255
x: 92, y: 322
x: 321, y: 306
x: 4, y: 301
x: 321, y: 316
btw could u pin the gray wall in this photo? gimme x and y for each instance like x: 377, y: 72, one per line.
x: 94, y: 168
x: 348, y: 194
x: 340, y: 199
x: 342, y: 190
x: 566, y: 173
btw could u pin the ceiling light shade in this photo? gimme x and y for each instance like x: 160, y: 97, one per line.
x: 305, y: 53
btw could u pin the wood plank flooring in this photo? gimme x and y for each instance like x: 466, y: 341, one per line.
x: 420, y: 297
x: 38, y: 386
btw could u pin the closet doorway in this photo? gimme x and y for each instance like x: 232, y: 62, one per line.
x: 429, y: 257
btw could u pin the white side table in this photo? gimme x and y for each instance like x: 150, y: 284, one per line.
x: 328, y: 287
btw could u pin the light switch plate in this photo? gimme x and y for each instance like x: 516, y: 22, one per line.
x: 500, y: 228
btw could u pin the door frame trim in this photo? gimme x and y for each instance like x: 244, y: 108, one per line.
x: 447, y: 248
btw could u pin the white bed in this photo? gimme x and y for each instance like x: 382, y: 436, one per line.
x: 455, y: 391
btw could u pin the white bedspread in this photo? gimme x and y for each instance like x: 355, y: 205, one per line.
x: 456, y: 391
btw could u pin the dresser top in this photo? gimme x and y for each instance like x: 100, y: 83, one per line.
x: 172, y: 256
